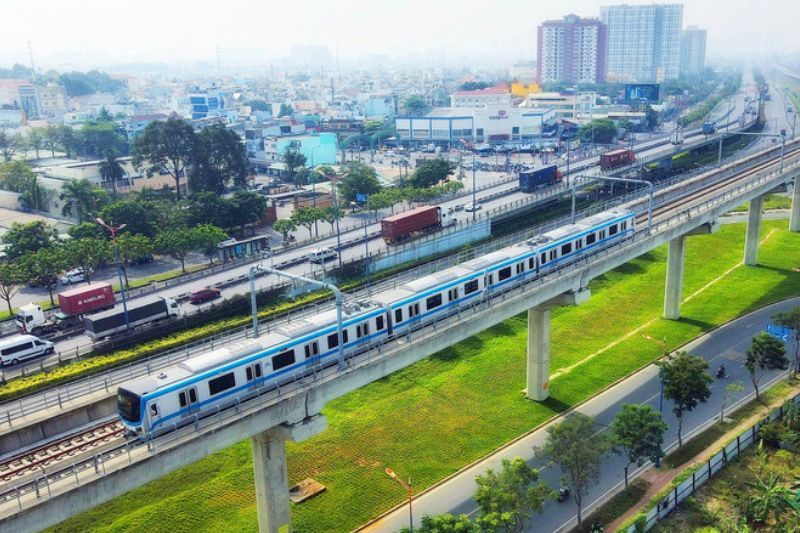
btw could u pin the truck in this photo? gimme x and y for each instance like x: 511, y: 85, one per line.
x: 73, y: 305
x: 709, y: 128
x: 617, y: 158
x: 140, y: 313
x: 402, y: 226
x: 530, y: 180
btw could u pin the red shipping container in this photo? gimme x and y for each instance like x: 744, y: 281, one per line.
x: 400, y: 226
x: 86, y: 299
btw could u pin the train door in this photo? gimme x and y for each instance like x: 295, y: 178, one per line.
x: 187, y: 399
x: 252, y: 374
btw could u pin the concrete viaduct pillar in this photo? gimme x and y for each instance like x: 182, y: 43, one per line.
x: 676, y: 255
x: 538, y: 371
x: 271, y: 475
x: 753, y: 230
x: 794, y: 219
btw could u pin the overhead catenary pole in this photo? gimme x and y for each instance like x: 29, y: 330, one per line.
x: 650, y: 198
x: 113, y: 230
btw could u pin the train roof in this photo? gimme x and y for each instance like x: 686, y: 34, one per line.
x: 230, y: 352
x: 153, y: 382
x: 392, y: 295
x: 439, y: 278
x: 605, y: 216
x: 299, y: 327
x: 485, y: 261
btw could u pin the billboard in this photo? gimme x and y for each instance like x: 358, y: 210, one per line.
x: 637, y: 92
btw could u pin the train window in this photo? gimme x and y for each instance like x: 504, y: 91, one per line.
x: 490, y: 279
x: 333, y: 340
x: 504, y: 273
x: 530, y: 263
x: 602, y: 234
x: 578, y: 244
x: 471, y: 286
x: 312, y: 348
x: 153, y: 410
x: 433, y: 301
x: 553, y: 254
x: 362, y: 330
x: 612, y: 229
x: 253, y: 371
x: 623, y: 225
x: 590, y: 239
x: 193, y: 391
x: 398, y: 315
x: 452, y: 295
x: 566, y: 248
x: 282, y: 360
x: 222, y: 383
x: 543, y: 258
x: 182, y: 398
x: 379, y: 323
x: 307, y: 348
x: 345, y: 335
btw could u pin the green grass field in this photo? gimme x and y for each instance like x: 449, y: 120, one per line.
x: 433, y: 418
x: 771, y: 201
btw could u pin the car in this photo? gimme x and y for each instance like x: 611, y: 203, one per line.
x: 320, y: 255
x: 470, y: 207
x: 142, y: 260
x: 204, y: 294
x: 73, y: 276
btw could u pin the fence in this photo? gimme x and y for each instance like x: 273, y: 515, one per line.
x: 705, y: 472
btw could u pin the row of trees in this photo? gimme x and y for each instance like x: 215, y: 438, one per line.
x: 38, y: 257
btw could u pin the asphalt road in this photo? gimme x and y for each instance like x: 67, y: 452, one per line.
x: 725, y: 345
x: 375, y: 245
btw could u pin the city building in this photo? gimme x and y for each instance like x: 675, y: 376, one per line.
x: 136, y: 124
x: 643, y: 42
x: 206, y: 103
x: 381, y: 105
x: 497, y: 95
x: 522, y: 90
x: 693, y: 51
x: 489, y: 123
x: 21, y: 94
x: 318, y: 149
x: 53, y: 99
x: 572, y: 50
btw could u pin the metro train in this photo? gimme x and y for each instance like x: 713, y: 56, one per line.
x: 218, y: 379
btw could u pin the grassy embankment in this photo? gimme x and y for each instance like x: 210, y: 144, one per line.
x: 433, y: 418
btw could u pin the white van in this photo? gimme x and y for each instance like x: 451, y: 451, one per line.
x: 21, y: 347
x: 320, y: 255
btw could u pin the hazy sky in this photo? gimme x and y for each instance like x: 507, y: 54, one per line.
x: 79, y: 33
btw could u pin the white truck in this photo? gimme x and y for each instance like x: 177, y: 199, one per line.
x: 140, y: 312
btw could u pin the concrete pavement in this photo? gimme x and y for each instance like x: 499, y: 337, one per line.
x: 726, y: 344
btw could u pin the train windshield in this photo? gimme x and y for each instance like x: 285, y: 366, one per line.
x: 128, y: 405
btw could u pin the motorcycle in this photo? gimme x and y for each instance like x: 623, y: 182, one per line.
x: 563, y: 494
x: 721, y: 372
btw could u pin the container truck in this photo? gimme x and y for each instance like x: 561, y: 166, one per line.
x: 73, y: 304
x: 403, y: 225
x: 709, y: 128
x: 529, y: 181
x: 616, y: 158
x: 141, y: 312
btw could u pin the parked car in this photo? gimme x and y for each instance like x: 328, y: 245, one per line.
x: 320, y: 255
x: 141, y: 260
x: 204, y: 294
x: 470, y: 207
x: 73, y: 276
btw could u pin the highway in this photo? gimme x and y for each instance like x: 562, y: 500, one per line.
x: 725, y: 345
x: 495, y: 197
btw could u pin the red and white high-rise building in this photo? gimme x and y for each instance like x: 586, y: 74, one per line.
x: 572, y: 50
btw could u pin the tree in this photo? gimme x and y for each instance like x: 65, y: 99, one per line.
x: 385, y: 199
x: 209, y: 208
x: 23, y: 239
x: 43, y: 268
x: 82, y: 200
x: 293, y: 160
x: 307, y: 217
x: 8, y: 145
x: 35, y: 197
x: 208, y: 237
x: 284, y: 226
x: 473, y: 86
x: 360, y: 179
x: 259, y: 105
x: 35, y: 140
x: 111, y: 170
x: 132, y: 247
x: 686, y: 383
x: 68, y: 140
x: 168, y: 147
x: 246, y: 208
x: 87, y: 254
x: 12, y: 277
x: 507, y: 498
x: 331, y: 215
x: 791, y: 321
x: 414, y: 104
x: 220, y: 158
x: 432, y: 172
x: 638, y: 434
x: 176, y: 243
x: 731, y: 390
x: 574, y: 445
x: 601, y: 130
x: 51, y: 137
x: 98, y: 137
x: 87, y: 230
x: 139, y: 216
x: 446, y: 523
x: 285, y: 111
x: 765, y: 353
x: 15, y: 176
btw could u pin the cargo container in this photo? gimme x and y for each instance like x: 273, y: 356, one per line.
x: 529, y: 181
x: 403, y: 225
x: 616, y: 158
x: 140, y: 313
x: 709, y: 128
x: 73, y: 304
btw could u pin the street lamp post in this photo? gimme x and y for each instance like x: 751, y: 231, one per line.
x: 366, y: 257
x: 409, y: 493
x: 333, y: 179
x: 113, y: 230
x: 474, y: 170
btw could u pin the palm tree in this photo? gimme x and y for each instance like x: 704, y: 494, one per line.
x: 111, y: 170
x: 80, y: 199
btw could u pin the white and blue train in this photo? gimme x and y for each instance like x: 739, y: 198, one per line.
x: 205, y: 383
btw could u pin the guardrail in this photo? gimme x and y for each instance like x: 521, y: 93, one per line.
x: 86, y: 470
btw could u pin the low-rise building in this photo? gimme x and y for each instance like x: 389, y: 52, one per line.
x: 498, y: 95
x: 318, y: 149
